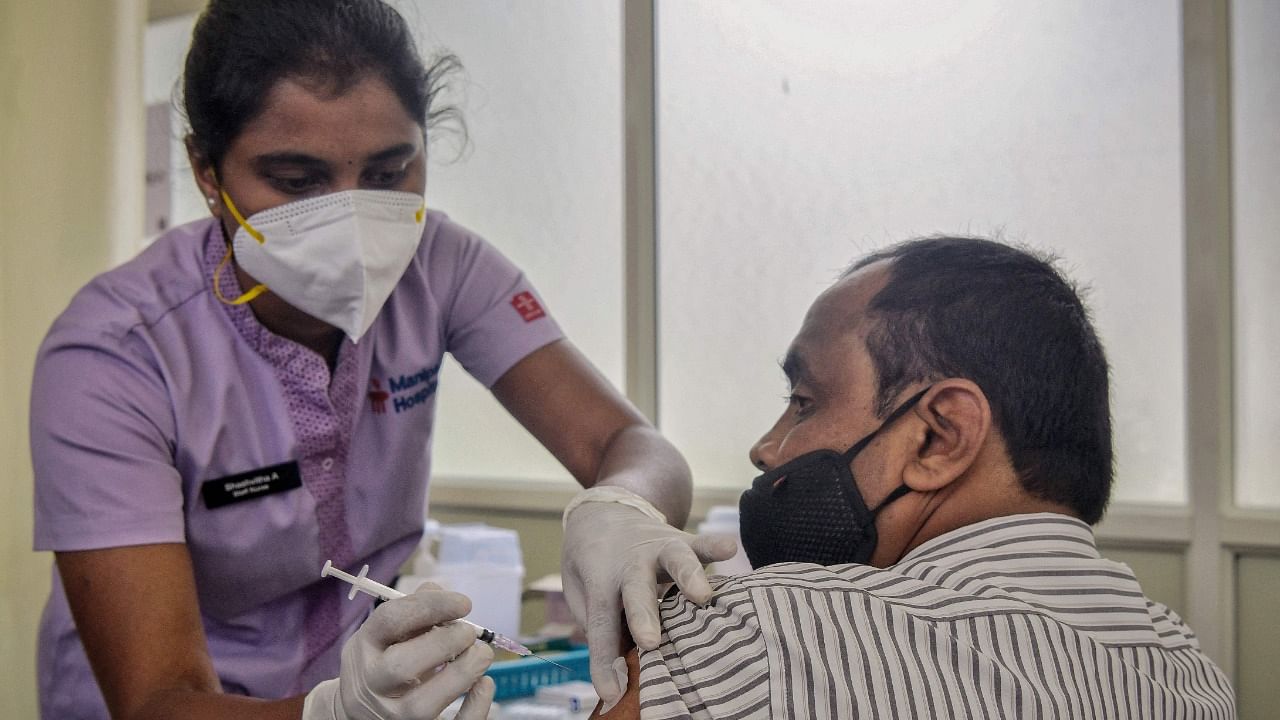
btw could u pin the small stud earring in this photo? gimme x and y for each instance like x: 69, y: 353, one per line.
x: 210, y: 201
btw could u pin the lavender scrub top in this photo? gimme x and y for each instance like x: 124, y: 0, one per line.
x: 147, y: 388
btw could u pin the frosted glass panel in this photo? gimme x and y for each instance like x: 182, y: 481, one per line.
x: 796, y: 136
x: 1255, y: 168
x: 542, y: 180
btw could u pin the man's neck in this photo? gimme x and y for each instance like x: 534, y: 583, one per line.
x: 960, y: 504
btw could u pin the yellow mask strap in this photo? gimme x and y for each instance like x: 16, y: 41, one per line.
x: 254, y: 292
x: 422, y: 211
x: 235, y: 213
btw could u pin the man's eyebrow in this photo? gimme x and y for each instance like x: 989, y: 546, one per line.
x: 794, y: 367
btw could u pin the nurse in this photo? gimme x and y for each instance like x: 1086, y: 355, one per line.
x: 254, y: 394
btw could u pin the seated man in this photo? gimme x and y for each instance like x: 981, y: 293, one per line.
x: 921, y: 532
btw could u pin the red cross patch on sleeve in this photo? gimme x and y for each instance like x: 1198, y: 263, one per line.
x: 527, y: 305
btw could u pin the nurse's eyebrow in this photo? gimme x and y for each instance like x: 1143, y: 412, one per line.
x: 298, y: 159
x: 395, y: 152
x: 268, y: 160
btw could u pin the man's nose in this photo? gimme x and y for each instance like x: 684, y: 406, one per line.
x: 763, y: 453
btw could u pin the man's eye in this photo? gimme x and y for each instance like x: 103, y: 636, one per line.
x: 799, y: 402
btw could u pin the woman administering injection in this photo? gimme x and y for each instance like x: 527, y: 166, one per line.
x: 200, y: 431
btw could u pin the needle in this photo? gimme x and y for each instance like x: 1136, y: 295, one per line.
x: 553, y: 662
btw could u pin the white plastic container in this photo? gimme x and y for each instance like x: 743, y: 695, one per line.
x: 723, y: 520
x: 484, y: 563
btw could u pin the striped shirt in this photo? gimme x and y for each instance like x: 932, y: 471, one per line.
x: 1014, y: 617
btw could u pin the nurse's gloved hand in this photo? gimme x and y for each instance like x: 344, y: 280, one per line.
x: 615, y: 545
x: 404, y: 663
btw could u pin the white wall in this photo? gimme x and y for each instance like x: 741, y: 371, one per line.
x: 70, y: 190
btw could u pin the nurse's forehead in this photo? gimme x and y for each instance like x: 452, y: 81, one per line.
x: 309, y: 117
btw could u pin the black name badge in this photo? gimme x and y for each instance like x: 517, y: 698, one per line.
x: 251, y: 485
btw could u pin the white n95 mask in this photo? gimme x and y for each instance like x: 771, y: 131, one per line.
x: 335, y: 257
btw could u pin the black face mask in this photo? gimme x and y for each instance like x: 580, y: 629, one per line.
x: 810, y: 510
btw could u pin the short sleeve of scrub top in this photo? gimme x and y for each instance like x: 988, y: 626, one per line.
x: 147, y: 389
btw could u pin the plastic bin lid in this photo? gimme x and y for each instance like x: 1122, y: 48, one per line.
x: 720, y: 519
x: 476, y: 543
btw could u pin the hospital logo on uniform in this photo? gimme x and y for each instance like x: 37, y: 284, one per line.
x: 528, y: 306
x: 404, y: 391
x: 377, y: 397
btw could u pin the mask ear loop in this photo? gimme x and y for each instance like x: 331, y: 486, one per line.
x: 253, y: 292
x: 893, y: 417
x: 852, y: 452
x: 235, y: 213
x: 256, y: 290
x: 898, y: 492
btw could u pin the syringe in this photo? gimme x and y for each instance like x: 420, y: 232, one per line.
x: 361, y: 583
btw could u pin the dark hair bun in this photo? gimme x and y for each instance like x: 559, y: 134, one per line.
x: 241, y: 48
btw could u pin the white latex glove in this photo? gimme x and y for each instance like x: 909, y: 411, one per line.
x: 615, y: 545
x: 404, y: 664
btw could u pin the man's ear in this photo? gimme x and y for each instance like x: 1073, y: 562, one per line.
x: 206, y: 177
x: 958, y: 423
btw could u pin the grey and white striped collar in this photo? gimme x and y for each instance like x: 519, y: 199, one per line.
x: 1044, y: 532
